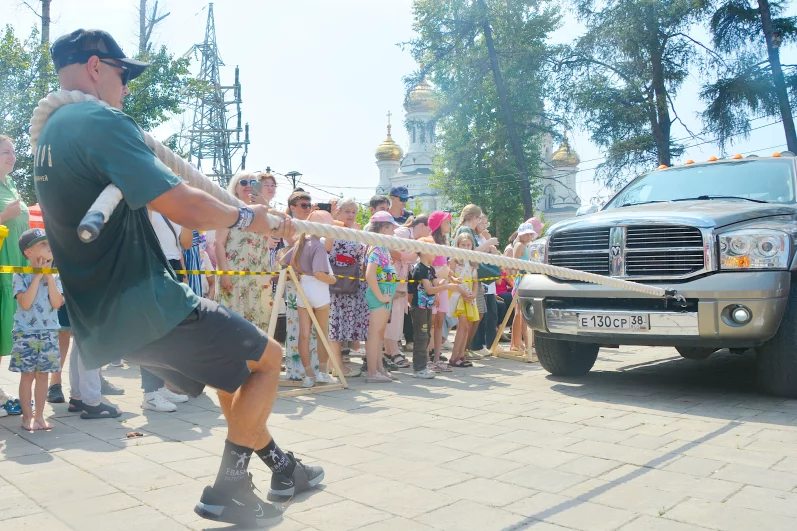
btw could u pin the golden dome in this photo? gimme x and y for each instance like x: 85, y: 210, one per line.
x: 565, y: 156
x: 421, y: 98
x: 388, y: 149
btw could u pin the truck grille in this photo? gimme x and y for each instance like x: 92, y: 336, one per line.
x: 583, y: 250
x: 640, y: 251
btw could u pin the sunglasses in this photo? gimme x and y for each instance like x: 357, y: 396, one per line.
x: 250, y: 182
x: 403, y: 199
x: 124, y: 69
x: 305, y: 206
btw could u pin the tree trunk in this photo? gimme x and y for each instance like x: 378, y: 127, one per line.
x: 506, y: 108
x: 777, y: 76
x: 46, y: 22
x: 142, y: 27
x: 661, y: 125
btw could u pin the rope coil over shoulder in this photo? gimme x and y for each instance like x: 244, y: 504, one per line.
x: 107, y: 201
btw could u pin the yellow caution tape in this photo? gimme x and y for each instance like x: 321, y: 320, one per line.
x: 54, y: 271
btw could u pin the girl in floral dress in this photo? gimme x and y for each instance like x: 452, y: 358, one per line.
x: 236, y: 250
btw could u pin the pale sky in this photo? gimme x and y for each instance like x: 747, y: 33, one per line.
x: 318, y: 78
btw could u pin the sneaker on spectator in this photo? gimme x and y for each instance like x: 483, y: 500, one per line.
x: 447, y: 345
x: 172, y: 397
x: 470, y: 355
x: 424, y: 374
x: 107, y: 388
x: 323, y: 377
x: 485, y: 352
x: 308, y: 382
x: 55, y: 395
x: 117, y: 363
x: 154, y: 401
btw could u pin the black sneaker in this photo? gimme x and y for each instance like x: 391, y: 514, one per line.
x: 107, y: 388
x: 304, y: 478
x: 55, y: 395
x: 238, y: 505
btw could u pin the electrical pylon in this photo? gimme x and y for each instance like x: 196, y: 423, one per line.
x: 217, y: 115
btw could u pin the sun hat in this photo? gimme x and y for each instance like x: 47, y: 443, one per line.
x: 383, y: 217
x: 536, y: 224
x: 436, y: 219
x: 526, y: 228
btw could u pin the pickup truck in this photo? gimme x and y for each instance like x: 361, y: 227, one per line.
x: 722, y: 233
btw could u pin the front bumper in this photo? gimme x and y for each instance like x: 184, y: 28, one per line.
x: 551, y: 306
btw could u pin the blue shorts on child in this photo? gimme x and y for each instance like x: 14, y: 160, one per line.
x: 35, y: 352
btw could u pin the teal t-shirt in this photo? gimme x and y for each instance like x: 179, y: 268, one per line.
x: 121, y: 292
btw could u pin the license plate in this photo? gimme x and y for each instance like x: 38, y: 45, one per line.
x: 607, y: 321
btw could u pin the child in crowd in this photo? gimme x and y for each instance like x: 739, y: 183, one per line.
x: 380, y: 274
x: 310, y: 258
x: 464, y: 307
x: 525, y: 235
x: 440, y: 225
x: 423, y: 289
x: 35, y: 351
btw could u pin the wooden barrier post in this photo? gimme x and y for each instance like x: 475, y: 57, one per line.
x: 526, y: 357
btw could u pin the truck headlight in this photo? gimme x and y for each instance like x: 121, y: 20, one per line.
x: 754, y: 249
x: 537, y: 250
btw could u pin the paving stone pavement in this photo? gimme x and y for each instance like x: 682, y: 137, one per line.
x: 646, y: 442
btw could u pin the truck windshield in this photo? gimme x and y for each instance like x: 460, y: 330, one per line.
x: 770, y: 181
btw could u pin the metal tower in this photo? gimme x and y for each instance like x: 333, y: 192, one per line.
x: 217, y: 115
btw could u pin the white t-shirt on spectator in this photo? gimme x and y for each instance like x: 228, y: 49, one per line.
x: 489, y: 289
x: 169, y: 243
x: 206, y: 266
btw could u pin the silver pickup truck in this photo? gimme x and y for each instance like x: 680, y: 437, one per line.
x: 722, y: 233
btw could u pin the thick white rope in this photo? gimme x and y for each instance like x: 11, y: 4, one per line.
x: 111, y: 196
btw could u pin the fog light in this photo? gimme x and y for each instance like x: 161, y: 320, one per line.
x: 528, y: 311
x: 741, y: 315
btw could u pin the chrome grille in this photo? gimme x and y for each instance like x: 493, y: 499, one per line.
x: 582, y: 250
x: 648, y: 251
x: 580, y: 240
x: 665, y: 237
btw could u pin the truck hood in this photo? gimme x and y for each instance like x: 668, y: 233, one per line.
x: 702, y: 214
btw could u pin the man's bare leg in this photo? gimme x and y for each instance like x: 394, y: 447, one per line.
x: 287, y: 476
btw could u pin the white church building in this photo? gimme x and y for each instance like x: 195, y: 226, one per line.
x: 557, y: 201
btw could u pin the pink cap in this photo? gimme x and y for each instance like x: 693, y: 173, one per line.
x: 436, y: 219
x: 383, y: 217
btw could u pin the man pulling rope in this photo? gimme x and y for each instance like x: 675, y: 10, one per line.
x: 123, y: 298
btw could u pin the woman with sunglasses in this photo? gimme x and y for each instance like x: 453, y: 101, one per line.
x: 236, y: 250
x: 300, y: 205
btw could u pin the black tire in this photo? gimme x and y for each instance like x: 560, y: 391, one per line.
x: 695, y: 353
x: 565, y: 358
x: 776, y: 364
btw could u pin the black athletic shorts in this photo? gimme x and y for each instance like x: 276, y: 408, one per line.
x: 210, y: 347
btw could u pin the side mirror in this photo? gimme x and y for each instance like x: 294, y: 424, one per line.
x: 586, y: 209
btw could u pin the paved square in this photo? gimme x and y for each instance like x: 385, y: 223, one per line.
x: 646, y: 442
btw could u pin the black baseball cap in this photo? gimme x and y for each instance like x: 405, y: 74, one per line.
x: 77, y: 47
x: 31, y: 237
x: 401, y: 192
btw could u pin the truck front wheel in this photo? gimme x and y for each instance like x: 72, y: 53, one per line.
x: 565, y: 358
x: 777, y: 358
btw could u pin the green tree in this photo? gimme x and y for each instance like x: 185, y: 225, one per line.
x: 158, y: 94
x: 620, y: 78
x: 488, y: 60
x: 21, y: 81
x: 752, y: 83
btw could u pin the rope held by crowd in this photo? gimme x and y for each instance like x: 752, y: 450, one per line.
x: 102, y: 208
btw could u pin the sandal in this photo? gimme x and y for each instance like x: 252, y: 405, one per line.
x: 75, y: 405
x: 388, y: 364
x: 103, y: 411
x: 444, y: 367
x: 457, y: 362
x: 433, y: 367
x: 400, y: 361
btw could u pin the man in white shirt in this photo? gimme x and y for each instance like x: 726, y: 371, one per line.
x: 172, y: 241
